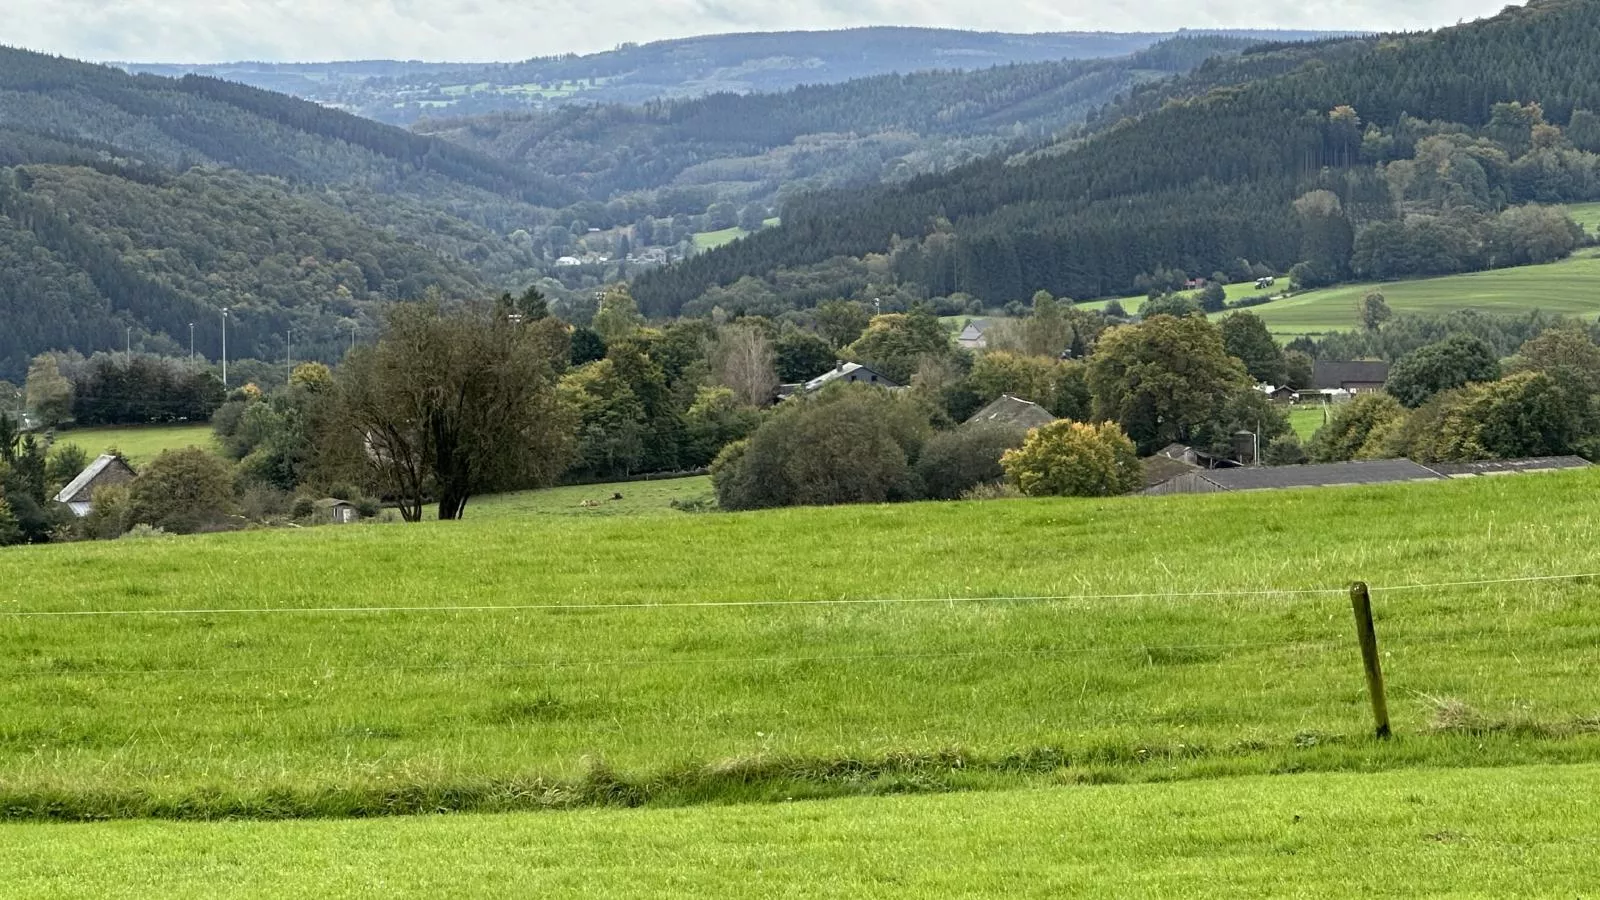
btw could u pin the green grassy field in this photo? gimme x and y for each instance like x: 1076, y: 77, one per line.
x: 1306, y: 420
x: 710, y: 240
x: 139, y: 443
x: 1475, y: 832
x: 639, y: 498
x: 1585, y: 214
x: 532, y: 661
x: 1569, y: 287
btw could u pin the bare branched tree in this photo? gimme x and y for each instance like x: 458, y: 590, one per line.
x: 746, y: 363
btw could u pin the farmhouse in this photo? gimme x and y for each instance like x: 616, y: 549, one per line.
x: 1361, y: 377
x: 846, y: 372
x: 1009, y: 410
x: 109, y: 470
x: 972, y: 337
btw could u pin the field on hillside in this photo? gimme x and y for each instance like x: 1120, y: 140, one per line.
x: 516, y: 662
x: 139, y: 443
x: 1585, y: 214
x: 1569, y: 287
x: 1474, y: 832
x: 710, y: 240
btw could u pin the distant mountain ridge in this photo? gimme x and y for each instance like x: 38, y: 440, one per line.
x: 402, y: 92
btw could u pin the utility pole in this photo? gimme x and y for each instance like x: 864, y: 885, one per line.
x: 288, y: 355
x: 224, y: 348
x: 127, y: 341
x: 352, y: 334
x: 191, y: 342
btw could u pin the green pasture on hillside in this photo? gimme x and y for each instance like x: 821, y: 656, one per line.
x: 710, y: 240
x: 139, y: 443
x: 1569, y: 287
x: 1473, y: 832
x: 1585, y: 214
x: 512, y: 662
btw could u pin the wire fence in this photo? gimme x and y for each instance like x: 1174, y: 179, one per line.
x: 1512, y: 640
x: 768, y: 603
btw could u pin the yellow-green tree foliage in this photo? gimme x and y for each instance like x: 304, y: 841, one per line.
x: 1074, y: 459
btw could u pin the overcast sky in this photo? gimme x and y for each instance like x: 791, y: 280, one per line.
x: 310, y: 30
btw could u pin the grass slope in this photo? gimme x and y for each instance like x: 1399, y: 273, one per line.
x: 139, y: 443
x: 658, y: 699
x: 639, y: 498
x: 1485, y: 833
x: 1570, y: 287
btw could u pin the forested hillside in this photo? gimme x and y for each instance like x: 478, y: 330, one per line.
x: 86, y: 255
x: 404, y: 92
x: 749, y: 147
x: 1464, y: 122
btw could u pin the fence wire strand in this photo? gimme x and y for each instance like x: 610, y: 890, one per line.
x: 752, y: 604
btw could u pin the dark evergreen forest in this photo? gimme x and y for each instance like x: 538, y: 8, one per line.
x: 1199, y: 182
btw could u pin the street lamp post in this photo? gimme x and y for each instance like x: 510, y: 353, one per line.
x: 224, y: 348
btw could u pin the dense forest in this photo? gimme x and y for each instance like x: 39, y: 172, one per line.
x: 1198, y: 184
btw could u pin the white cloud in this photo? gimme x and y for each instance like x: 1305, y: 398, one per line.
x: 219, y: 30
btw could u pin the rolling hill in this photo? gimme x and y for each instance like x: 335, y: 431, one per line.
x: 1199, y: 183
x: 756, y: 147
x: 773, y: 62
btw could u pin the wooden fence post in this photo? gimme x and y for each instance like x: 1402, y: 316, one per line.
x: 1367, y: 635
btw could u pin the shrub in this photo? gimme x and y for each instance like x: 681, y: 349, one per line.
x: 304, y: 508
x: 1001, y: 491
x: 1074, y: 459
x: 1353, y: 426
x: 108, y: 516
x: 1457, y: 360
x: 850, y: 444
x: 182, y: 491
x: 954, y: 462
x: 1284, y: 450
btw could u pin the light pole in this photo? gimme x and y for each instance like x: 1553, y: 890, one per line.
x: 127, y: 341
x: 224, y: 348
x: 288, y: 355
x: 352, y: 334
x: 191, y: 342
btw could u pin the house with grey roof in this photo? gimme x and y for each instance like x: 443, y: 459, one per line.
x: 108, y: 470
x: 1013, y: 411
x: 973, y: 336
x: 848, y: 372
x: 1358, y: 377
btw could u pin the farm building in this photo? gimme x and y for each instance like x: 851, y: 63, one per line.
x: 1009, y: 410
x: 1364, y: 376
x: 109, y: 470
x: 846, y: 372
x: 1284, y: 394
x: 1509, y: 466
x: 1185, y: 454
x: 337, y: 512
x: 972, y: 337
x: 1371, y: 471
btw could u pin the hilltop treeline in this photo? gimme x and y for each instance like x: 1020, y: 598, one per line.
x: 1200, y: 183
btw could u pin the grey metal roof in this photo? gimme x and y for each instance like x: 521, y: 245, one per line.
x: 1370, y: 471
x: 80, y: 485
x: 1507, y: 466
x: 844, y: 371
x: 1009, y: 410
x: 1328, y: 374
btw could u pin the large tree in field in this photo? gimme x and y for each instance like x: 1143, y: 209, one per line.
x: 1163, y: 379
x: 456, y: 401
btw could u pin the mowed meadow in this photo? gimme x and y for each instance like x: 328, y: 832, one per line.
x: 516, y: 663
